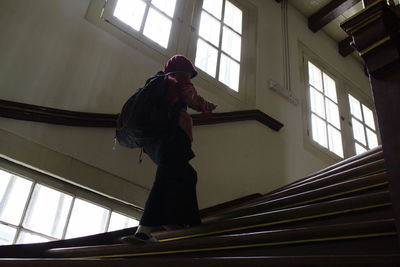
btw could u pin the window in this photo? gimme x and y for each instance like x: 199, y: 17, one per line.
x: 363, y: 124
x: 339, y: 123
x: 219, y: 41
x: 215, y: 34
x: 31, y: 212
x: 152, y: 19
x: 325, y: 119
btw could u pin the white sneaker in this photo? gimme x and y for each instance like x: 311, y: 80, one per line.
x: 145, y: 238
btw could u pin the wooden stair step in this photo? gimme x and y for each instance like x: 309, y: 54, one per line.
x: 370, y: 168
x: 216, y: 209
x: 372, y: 155
x: 359, y: 171
x: 334, y: 191
x: 236, y: 242
x: 291, y: 215
x: 386, y: 260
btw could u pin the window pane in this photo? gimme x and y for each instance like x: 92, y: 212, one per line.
x: 317, y: 102
x: 26, y: 238
x: 214, y: 7
x: 206, y: 57
x: 332, y: 113
x: 231, y: 43
x: 330, y: 88
x: 372, y: 139
x: 119, y: 221
x: 158, y: 27
x: 319, y: 131
x: 130, y: 12
x: 7, y: 234
x: 335, y: 141
x: 86, y: 219
x: 47, y: 211
x: 229, y: 72
x: 355, y: 107
x: 5, y: 178
x: 14, y: 200
x: 358, y: 131
x: 359, y: 149
x: 209, y: 28
x: 233, y: 17
x: 368, y: 117
x: 167, y: 6
x: 315, y: 76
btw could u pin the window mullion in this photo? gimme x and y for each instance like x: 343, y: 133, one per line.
x: 212, y: 15
x: 208, y: 42
x: 68, y: 218
x: 39, y: 234
x: 326, y: 124
x: 220, y: 40
x: 230, y: 56
x: 232, y: 29
x: 108, y: 220
x: 344, y: 114
x: 7, y: 193
x: 146, y: 12
x: 315, y: 114
x: 24, y: 211
x: 364, y: 127
x: 58, y: 213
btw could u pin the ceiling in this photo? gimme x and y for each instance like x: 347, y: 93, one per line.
x: 310, y: 7
x: 326, y: 15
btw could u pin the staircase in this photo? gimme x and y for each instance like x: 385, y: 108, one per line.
x: 339, y: 216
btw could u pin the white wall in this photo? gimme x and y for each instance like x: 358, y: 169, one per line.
x: 51, y: 56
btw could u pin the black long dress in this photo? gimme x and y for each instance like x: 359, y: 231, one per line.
x: 173, y: 199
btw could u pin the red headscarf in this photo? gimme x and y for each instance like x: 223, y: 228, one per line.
x: 180, y: 63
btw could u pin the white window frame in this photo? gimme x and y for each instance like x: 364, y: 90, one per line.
x: 74, y: 191
x: 309, y: 112
x: 247, y: 68
x: 107, y: 15
x: 183, y: 40
x: 364, y: 101
x: 218, y: 47
x: 343, y: 88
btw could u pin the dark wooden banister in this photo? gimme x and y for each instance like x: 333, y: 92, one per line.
x: 21, y: 111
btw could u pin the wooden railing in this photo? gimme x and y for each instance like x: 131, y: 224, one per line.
x: 21, y: 111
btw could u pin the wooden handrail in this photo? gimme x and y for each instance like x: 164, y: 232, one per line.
x: 21, y: 111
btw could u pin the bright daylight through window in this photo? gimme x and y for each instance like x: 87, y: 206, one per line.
x: 158, y: 22
x: 219, y: 41
x: 153, y: 18
x: 31, y: 212
x: 363, y: 124
x: 325, y: 119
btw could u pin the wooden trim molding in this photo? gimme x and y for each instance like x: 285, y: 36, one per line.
x: 21, y: 111
x: 328, y: 13
x: 376, y: 34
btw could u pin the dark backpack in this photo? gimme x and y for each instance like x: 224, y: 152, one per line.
x: 146, y: 116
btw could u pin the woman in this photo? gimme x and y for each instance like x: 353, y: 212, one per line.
x: 172, y: 201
